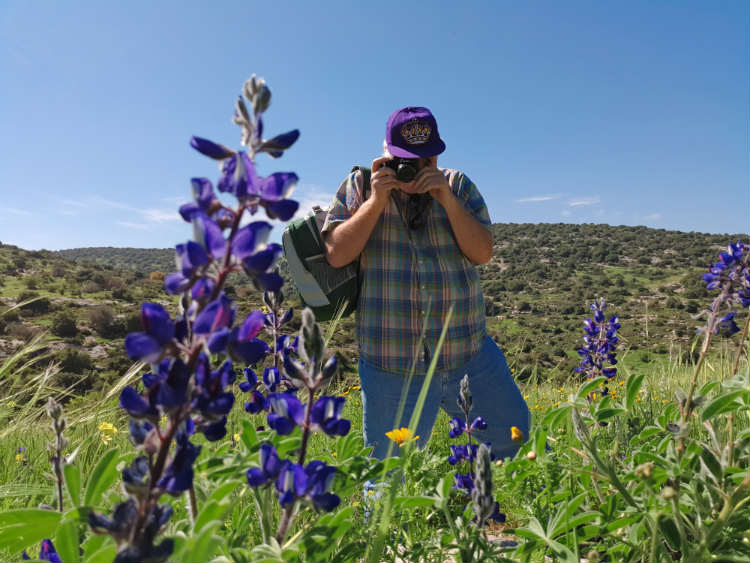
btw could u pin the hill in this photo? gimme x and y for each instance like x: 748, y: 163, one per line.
x: 143, y: 260
x: 537, y: 287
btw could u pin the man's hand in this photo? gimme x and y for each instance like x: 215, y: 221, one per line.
x: 430, y: 179
x: 383, y: 180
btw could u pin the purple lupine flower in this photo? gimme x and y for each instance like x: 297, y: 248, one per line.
x: 275, y: 147
x: 48, y: 552
x: 136, y: 406
x: 271, y: 378
x: 139, y: 431
x: 257, y: 402
x: 167, y: 389
x: 135, y: 476
x: 457, y: 427
x: 270, y: 466
x: 285, y: 412
x: 217, y: 315
x: 212, y: 400
x: 178, y: 476
x: 325, y: 416
x: 238, y: 176
x: 243, y: 342
x: 205, y: 199
x: 731, y: 276
x: 251, y: 380
x: 479, y: 424
x: 120, y: 525
x: 257, y: 266
x: 319, y: 480
x: 600, y: 342
x: 207, y: 233
x: 463, y: 482
x: 291, y: 482
x: 250, y: 239
x: 159, y: 330
x: 210, y: 149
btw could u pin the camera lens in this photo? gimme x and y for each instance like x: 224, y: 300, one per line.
x: 406, y: 172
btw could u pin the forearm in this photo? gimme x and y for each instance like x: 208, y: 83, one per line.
x: 347, y: 240
x: 474, y: 239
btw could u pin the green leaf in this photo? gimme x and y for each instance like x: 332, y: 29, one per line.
x: 103, y: 475
x: 105, y: 553
x: 540, y: 441
x: 721, y: 404
x: 632, y: 388
x: 588, y: 386
x: 622, y: 522
x: 555, y: 416
x: 211, y: 511
x: 26, y: 526
x: 713, y: 465
x: 248, y: 435
x: 413, y: 502
x: 204, y: 545
x: 605, y: 414
x: 221, y: 492
x: 669, y: 531
x: 66, y: 540
x: 72, y: 475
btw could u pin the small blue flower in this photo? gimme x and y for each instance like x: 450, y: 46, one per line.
x: 285, y: 412
x: 325, y: 416
x: 270, y: 466
x: 159, y: 330
x: 178, y: 476
x: 457, y: 427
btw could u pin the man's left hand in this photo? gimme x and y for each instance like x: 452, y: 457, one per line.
x: 432, y: 180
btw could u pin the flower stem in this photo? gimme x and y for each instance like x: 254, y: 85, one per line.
x: 741, y: 345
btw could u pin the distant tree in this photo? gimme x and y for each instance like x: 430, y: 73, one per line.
x: 64, y: 325
x: 103, y: 321
x: 74, y: 361
x: 39, y: 306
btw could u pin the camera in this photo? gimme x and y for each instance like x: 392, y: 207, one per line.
x: 405, y: 168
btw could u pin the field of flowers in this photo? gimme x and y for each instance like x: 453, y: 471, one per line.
x: 231, y: 440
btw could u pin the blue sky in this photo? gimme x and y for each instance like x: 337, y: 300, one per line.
x: 631, y: 113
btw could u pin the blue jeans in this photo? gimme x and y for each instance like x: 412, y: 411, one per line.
x: 495, y: 395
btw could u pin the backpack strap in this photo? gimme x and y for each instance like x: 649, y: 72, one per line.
x: 366, y: 173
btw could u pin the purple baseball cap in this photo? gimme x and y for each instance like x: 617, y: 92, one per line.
x: 412, y: 132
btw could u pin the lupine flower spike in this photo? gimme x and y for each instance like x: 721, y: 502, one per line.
x: 598, y: 351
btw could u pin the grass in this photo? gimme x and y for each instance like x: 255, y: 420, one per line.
x: 25, y: 426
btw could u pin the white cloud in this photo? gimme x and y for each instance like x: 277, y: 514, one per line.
x: 73, y: 203
x: 160, y: 215
x: 584, y: 201
x: 15, y: 211
x: 653, y: 217
x: 537, y: 198
x: 130, y: 225
x: 565, y: 213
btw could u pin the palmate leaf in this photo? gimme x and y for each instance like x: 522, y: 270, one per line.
x: 633, y: 386
x: 104, y: 474
x: 66, y: 540
x: 72, y: 473
x: 722, y: 404
x: 26, y: 526
x: 589, y: 386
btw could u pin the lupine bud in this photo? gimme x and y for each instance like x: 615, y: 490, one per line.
x: 311, y: 338
x: 464, y: 394
x: 481, y: 496
x: 668, y: 493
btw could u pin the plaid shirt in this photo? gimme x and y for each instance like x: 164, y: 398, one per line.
x: 410, y: 277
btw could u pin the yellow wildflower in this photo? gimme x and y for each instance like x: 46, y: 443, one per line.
x: 622, y: 383
x: 401, y: 436
x: 236, y: 436
x: 525, y: 397
x: 20, y: 458
x: 164, y: 419
x: 356, y: 387
x: 638, y: 399
x: 335, y: 454
x: 11, y: 404
x: 516, y: 434
x: 107, y: 430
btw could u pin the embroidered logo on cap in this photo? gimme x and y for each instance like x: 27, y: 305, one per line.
x: 416, y: 132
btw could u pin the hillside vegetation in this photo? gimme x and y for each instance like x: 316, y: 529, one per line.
x: 537, y: 290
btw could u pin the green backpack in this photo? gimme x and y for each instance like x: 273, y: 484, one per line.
x: 321, y: 287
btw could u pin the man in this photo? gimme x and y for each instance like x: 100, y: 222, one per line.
x: 419, y: 241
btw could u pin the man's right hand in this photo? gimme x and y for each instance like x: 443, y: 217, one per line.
x: 383, y: 180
